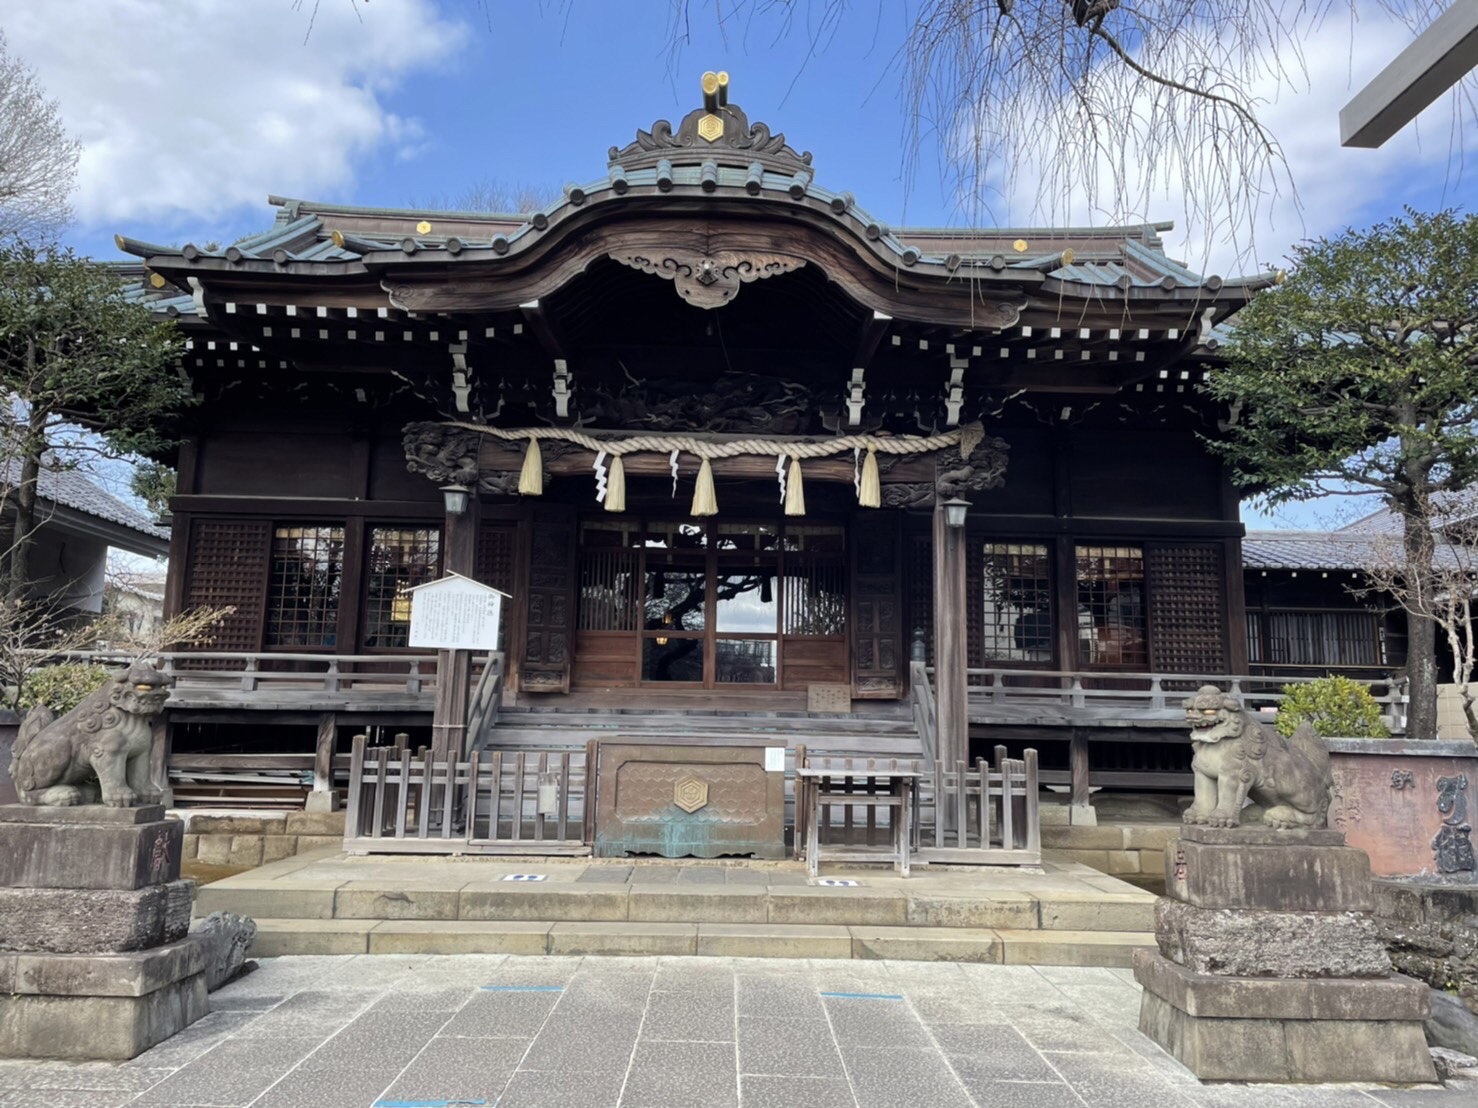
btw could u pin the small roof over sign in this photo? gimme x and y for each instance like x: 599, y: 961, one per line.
x: 453, y: 577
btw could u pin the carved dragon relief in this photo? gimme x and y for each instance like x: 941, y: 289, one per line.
x: 446, y: 455
x: 956, y: 474
x: 710, y: 280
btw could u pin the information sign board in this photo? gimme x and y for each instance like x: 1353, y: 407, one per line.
x: 455, y: 613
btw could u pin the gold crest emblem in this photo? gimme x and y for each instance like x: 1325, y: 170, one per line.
x: 710, y: 128
x: 690, y: 794
x: 423, y: 228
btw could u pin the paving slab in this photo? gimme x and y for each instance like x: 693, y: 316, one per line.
x: 627, y: 1032
x: 774, y: 940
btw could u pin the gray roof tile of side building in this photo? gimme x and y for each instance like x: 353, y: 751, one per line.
x: 72, y: 489
x: 1336, y: 550
x: 1307, y: 550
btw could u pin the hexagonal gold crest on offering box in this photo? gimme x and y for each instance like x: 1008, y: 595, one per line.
x: 690, y: 793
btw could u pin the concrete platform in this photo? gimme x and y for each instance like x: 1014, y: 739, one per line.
x: 1062, y: 913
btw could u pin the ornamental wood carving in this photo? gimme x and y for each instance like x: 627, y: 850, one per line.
x: 739, y: 143
x: 446, y: 455
x: 709, y: 280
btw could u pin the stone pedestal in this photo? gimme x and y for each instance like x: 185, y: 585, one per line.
x: 95, y: 962
x: 1269, y: 967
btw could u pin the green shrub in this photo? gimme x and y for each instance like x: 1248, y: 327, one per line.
x: 61, y: 687
x: 1338, y: 707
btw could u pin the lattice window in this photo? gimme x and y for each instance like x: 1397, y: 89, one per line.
x: 306, y: 575
x: 1331, y: 640
x: 815, y: 596
x: 1016, y: 602
x: 608, y: 580
x: 400, y: 558
x: 1187, y: 608
x: 495, y: 555
x: 1111, y: 610
x: 227, y: 567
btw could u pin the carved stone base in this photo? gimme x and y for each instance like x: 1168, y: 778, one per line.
x: 101, y: 1007
x: 89, y: 847
x: 92, y: 921
x: 1261, y: 1029
x: 1260, y: 943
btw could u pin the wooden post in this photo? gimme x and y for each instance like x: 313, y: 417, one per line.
x: 454, y: 667
x: 1077, y: 757
x: 950, y: 662
x: 323, y: 753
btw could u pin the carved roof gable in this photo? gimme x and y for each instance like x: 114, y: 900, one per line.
x: 718, y: 131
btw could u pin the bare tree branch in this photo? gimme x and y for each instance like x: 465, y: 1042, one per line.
x: 38, y: 161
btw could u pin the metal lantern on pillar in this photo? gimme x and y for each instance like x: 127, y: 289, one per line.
x: 455, y: 498
x: 955, y: 511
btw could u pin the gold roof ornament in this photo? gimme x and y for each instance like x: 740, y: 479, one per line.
x: 1019, y: 246
x: 423, y: 228
x: 157, y: 280
x: 715, y: 98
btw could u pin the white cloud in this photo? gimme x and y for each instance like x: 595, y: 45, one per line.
x: 201, y: 107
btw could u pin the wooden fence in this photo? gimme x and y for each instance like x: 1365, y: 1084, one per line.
x: 979, y: 814
x: 530, y: 802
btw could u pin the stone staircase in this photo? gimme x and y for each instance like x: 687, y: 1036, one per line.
x: 1063, y: 913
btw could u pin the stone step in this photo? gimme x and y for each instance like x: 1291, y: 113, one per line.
x: 277, y: 937
x: 878, y: 902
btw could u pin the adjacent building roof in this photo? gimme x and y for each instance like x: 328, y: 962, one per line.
x: 1308, y: 550
x: 71, y: 490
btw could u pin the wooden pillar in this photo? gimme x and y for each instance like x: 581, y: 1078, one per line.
x: 950, y: 678
x: 454, y: 667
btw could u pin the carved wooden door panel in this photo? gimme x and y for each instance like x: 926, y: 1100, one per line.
x: 549, y: 599
x: 877, y: 609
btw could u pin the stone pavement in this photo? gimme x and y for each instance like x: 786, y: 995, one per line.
x: 528, y: 1032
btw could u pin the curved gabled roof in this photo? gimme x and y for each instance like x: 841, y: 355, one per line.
x: 718, y: 167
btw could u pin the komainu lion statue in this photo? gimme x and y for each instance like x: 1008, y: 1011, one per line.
x: 99, y: 750
x: 1237, y: 757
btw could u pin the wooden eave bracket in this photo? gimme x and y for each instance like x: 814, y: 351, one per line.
x: 954, y: 391
x: 461, y: 389
x: 563, y: 379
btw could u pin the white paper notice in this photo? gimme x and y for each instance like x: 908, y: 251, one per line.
x: 775, y: 759
x: 455, y: 614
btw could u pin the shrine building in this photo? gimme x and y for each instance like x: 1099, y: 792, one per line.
x: 732, y: 445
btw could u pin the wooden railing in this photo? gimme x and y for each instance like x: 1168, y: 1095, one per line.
x: 925, y: 709
x: 490, y: 803
x: 267, y: 672
x: 1083, y: 697
x: 979, y: 814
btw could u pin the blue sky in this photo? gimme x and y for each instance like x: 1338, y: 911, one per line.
x: 191, y: 111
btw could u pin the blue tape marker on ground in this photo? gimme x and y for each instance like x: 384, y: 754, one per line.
x: 522, y: 988
x: 865, y: 996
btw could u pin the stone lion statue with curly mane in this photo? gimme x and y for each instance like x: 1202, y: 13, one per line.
x: 1237, y: 757
x: 100, y: 750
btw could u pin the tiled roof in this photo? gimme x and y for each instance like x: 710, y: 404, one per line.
x: 71, y: 489
x: 1325, y: 550
x: 1064, y: 259
x: 1307, y: 550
